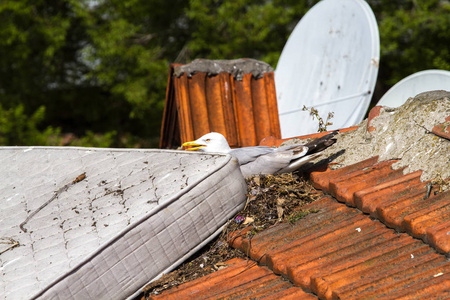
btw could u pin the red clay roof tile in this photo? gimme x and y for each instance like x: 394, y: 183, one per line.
x: 242, y: 279
x: 292, y: 293
x: 369, y: 199
x: 431, y: 215
x: 274, y: 238
x: 400, y: 201
x: 344, y: 187
x: 443, y: 130
x: 316, y: 244
x: 411, y: 286
x: 376, y: 268
x: 357, y: 255
x: 302, y: 273
x: 324, y: 284
x: 431, y: 263
x: 321, y: 180
x: 374, y: 112
x: 435, y: 288
x: 340, y: 252
x: 244, y: 111
x: 393, y: 214
x: 439, y: 237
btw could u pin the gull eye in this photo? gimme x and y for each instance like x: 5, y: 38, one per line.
x: 208, y: 140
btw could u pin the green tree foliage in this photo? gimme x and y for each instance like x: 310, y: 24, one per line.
x: 19, y: 129
x: 94, y: 72
x: 40, y: 66
x: 96, y: 66
x: 414, y: 36
x: 244, y: 28
x: 131, y: 45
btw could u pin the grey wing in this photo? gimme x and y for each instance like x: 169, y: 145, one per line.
x: 279, y: 161
x: 265, y: 160
x: 248, y: 154
x: 267, y: 164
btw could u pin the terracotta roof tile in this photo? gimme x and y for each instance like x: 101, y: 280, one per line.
x: 443, y: 130
x: 321, y: 180
x: 325, y: 240
x: 438, y: 237
x: 292, y: 293
x: 329, y: 251
x: 392, y: 215
x: 374, y: 112
x: 420, y: 273
x: 339, y: 252
x: 401, y: 201
x: 435, y: 288
x: 377, y: 268
x: 380, y: 195
x: 390, y: 257
x: 433, y: 213
x: 242, y: 279
x: 244, y: 111
x: 344, y: 187
x: 379, y: 233
x: 274, y: 238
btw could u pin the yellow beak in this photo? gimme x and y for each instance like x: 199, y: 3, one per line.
x: 192, y: 146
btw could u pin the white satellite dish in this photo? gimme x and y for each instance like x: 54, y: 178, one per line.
x: 414, y: 84
x: 330, y: 62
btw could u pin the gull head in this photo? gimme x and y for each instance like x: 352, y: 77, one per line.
x: 211, y: 142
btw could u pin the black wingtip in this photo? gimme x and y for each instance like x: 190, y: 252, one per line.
x: 321, y: 143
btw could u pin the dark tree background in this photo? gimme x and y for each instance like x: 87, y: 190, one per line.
x: 94, y: 72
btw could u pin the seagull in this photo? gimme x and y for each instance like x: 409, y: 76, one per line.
x: 262, y: 159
